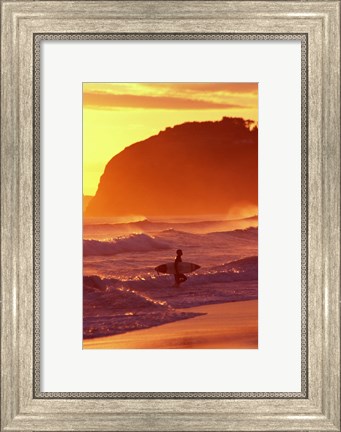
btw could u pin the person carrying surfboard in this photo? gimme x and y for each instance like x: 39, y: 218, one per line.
x: 179, y: 277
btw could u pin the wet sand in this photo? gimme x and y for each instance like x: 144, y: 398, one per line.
x: 225, y: 325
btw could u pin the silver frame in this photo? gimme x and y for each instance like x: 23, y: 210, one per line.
x: 24, y: 25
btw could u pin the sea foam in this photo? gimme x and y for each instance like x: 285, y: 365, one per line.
x: 131, y: 243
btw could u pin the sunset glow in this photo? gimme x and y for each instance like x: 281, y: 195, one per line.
x: 116, y: 115
x: 170, y: 216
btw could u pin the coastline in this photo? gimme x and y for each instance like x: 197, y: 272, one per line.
x: 232, y: 325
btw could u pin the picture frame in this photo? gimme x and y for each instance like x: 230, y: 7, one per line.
x: 24, y: 24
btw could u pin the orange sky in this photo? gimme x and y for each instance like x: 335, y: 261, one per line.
x: 116, y: 115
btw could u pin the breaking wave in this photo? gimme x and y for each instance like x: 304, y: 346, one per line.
x: 131, y: 243
x: 113, y: 306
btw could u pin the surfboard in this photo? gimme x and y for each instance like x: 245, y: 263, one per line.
x: 183, y: 267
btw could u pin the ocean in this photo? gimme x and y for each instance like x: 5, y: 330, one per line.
x: 122, y: 291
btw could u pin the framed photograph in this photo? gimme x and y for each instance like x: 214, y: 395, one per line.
x: 170, y: 215
x: 195, y: 183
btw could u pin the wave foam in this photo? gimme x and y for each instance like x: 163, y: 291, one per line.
x: 131, y: 243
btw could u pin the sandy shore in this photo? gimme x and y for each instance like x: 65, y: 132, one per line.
x: 225, y: 325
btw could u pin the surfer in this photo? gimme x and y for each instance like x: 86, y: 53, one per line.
x: 179, y: 277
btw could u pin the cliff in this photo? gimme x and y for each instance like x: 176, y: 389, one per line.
x: 195, y: 168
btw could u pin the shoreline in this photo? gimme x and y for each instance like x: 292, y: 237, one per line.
x: 232, y: 325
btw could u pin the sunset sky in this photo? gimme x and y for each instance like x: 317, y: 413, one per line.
x: 116, y: 115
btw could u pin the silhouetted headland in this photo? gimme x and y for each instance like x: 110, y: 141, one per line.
x: 188, y: 169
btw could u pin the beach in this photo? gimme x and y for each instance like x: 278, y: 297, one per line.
x: 232, y: 325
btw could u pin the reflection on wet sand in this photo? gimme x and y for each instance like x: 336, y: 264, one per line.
x: 227, y: 325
